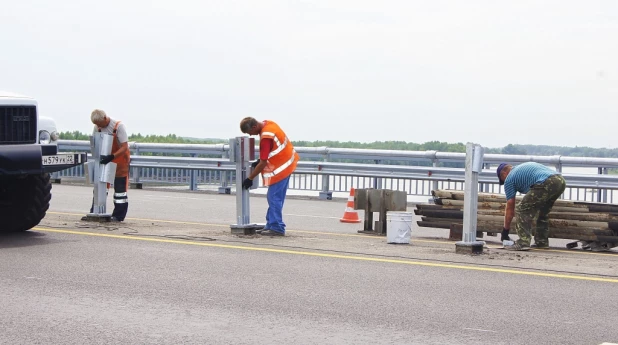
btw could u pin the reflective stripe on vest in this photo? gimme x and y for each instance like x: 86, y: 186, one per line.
x: 278, y: 149
x: 282, y: 167
x: 282, y: 159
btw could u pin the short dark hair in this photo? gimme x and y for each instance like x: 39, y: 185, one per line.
x: 247, y: 123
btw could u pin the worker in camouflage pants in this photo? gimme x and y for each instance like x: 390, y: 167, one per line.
x: 542, y: 187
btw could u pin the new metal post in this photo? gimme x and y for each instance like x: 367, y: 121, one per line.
x: 474, y: 165
x: 243, y: 149
x: 100, y: 175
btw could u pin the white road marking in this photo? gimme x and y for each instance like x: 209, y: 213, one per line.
x: 177, y: 197
x: 309, y: 216
x: 480, y: 330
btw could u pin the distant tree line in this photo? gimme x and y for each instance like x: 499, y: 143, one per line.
x: 170, y: 138
x: 533, y: 150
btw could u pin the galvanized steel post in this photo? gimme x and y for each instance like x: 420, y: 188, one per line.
x: 484, y: 187
x: 474, y: 165
x: 136, y: 170
x: 377, y: 181
x: 225, y: 177
x: 326, y: 193
x: 193, y: 182
x: 604, y: 190
x: 435, y: 182
x: 242, y: 152
x: 100, y: 175
x: 600, y: 192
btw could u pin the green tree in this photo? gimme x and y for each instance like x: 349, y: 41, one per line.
x: 511, y: 149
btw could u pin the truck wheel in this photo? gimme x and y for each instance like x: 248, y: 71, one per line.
x: 23, y: 201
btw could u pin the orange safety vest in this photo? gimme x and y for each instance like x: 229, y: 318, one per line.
x: 122, y: 162
x: 282, y: 159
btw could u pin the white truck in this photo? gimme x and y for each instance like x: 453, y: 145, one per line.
x: 28, y: 154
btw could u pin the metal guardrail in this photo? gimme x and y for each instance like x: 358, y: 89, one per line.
x: 326, y: 176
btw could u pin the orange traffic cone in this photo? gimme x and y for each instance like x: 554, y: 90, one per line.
x: 350, y: 215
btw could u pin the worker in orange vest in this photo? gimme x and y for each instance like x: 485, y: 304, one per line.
x: 277, y: 162
x: 120, y: 155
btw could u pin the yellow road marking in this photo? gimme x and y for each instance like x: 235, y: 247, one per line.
x: 335, y: 256
x: 336, y: 234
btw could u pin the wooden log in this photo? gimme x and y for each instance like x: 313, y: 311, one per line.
x: 433, y: 225
x: 481, y: 205
x: 554, y: 223
x: 454, y: 213
x: 492, y: 197
x: 502, y: 206
x: 433, y: 207
x: 605, y: 208
x: 441, y: 220
x: 573, y: 234
x: 457, y: 214
x: 597, y: 217
x: 493, y: 225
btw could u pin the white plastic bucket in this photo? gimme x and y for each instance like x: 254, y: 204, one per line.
x: 398, y: 227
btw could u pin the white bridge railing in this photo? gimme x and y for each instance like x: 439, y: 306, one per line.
x: 320, y: 171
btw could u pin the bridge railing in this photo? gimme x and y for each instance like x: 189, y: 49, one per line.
x: 322, y: 171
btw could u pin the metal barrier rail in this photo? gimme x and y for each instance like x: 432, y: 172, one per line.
x: 327, y: 177
x: 360, y: 154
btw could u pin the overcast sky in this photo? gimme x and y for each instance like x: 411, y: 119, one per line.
x: 486, y: 71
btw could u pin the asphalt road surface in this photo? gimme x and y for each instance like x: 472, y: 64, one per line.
x: 173, y: 274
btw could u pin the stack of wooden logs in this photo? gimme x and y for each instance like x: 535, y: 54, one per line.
x: 581, y: 221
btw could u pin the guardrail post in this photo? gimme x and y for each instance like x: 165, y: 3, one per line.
x: 193, y: 182
x: 605, y: 190
x: 474, y: 165
x: 435, y: 163
x: 55, y: 177
x: 136, y: 184
x: 225, y: 177
x: 377, y: 181
x: 602, y: 193
x: 484, y: 187
x: 326, y: 193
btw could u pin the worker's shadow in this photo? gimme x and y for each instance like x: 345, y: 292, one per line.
x: 24, y: 239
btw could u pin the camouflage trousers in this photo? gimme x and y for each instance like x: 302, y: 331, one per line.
x: 533, y: 211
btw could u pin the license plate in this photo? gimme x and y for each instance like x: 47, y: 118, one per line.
x: 59, y: 159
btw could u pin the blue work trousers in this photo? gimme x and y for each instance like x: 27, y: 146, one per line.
x: 276, y: 197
